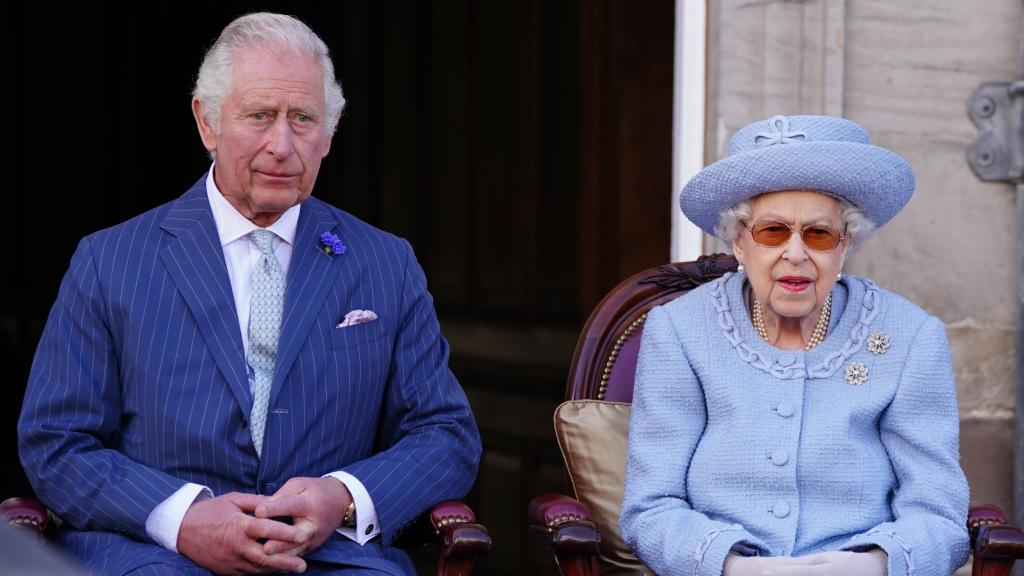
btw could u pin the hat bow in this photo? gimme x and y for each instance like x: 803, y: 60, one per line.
x: 780, y: 133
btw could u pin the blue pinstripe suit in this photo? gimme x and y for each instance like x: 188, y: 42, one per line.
x: 139, y: 384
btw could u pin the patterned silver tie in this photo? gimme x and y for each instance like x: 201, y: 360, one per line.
x: 265, y: 311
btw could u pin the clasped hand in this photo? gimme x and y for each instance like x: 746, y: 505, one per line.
x: 224, y: 534
x: 871, y: 563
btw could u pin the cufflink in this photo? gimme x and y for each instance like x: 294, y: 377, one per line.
x: 349, y: 519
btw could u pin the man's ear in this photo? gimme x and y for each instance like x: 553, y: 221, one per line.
x: 206, y: 132
x: 327, y: 147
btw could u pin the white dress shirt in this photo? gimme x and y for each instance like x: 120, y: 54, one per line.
x: 241, y: 255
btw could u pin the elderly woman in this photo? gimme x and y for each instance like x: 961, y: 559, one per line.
x: 788, y: 418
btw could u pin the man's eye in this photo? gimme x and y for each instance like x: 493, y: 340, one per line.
x: 302, y: 118
x: 259, y: 116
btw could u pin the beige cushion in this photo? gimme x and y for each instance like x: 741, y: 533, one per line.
x: 592, y: 435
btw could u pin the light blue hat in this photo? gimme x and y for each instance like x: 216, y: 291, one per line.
x: 821, y: 153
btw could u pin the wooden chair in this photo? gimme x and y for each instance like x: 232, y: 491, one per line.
x: 449, y: 528
x: 603, y: 368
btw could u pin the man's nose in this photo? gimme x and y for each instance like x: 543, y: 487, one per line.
x: 280, y: 138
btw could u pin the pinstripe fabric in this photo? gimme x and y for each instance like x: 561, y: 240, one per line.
x: 139, y: 384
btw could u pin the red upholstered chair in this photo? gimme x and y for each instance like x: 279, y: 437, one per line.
x: 591, y: 425
x: 450, y: 528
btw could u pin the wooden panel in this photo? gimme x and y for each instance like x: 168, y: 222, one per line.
x: 556, y: 248
x: 446, y: 181
x: 626, y: 140
x: 501, y: 158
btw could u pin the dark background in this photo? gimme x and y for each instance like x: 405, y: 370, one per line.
x: 522, y: 147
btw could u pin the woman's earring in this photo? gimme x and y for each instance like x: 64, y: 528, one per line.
x: 740, y: 268
x: 839, y: 276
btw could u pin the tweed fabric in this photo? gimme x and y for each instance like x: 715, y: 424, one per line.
x: 826, y: 154
x: 735, y: 441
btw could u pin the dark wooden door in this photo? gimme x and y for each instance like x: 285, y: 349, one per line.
x: 522, y: 147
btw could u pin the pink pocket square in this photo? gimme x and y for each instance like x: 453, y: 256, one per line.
x: 357, y: 317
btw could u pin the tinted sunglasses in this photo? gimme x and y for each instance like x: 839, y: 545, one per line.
x: 817, y: 237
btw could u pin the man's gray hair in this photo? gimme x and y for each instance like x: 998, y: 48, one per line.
x: 263, y: 30
x: 731, y: 222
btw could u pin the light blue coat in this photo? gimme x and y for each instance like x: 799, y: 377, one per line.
x: 735, y: 441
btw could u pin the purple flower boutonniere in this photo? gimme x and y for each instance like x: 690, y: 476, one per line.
x: 331, y: 244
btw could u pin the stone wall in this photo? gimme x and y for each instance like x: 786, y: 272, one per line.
x: 903, y: 69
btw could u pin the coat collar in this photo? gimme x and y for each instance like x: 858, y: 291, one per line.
x: 857, y: 305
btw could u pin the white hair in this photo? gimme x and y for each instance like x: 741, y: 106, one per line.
x: 732, y: 221
x: 263, y: 30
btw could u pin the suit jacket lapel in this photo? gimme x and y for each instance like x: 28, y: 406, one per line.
x: 195, y: 261
x: 311, y: 275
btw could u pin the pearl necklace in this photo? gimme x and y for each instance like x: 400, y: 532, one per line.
x: 820, y: 328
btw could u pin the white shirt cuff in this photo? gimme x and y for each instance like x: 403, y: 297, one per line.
x: 164, y: 522
x: 367, y: 527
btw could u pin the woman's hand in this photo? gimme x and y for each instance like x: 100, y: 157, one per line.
x: 760, y: 565
x: 872, y: 563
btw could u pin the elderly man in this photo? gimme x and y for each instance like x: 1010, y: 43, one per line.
x: 246, y: 379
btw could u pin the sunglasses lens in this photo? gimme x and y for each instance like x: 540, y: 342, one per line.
x: 770, y: 233
x: 821, y: 238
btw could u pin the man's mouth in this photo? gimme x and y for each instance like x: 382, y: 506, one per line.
x: 277, y: 178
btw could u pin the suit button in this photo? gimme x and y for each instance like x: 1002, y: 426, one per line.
x: 369, y: 529
x: 780, y: 457
x: 780, y: 509
x: 784, y: 409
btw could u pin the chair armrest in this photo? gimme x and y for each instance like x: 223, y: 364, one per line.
x: 983, y: 515
x: 999, y: 542
x: 450, y: 530
x: 994, y: 543
x: 455, y: 525
x: 563, y: 525
x: 26, y: 513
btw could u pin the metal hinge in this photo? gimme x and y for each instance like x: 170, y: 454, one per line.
x: 997, y: 109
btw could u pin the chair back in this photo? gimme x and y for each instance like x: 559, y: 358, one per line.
x: 605, y: 360
x: 593, y: 424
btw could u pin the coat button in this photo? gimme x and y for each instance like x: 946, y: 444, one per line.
x: 780, y: 457
x: 784, y: 409
x: 780, y: 509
